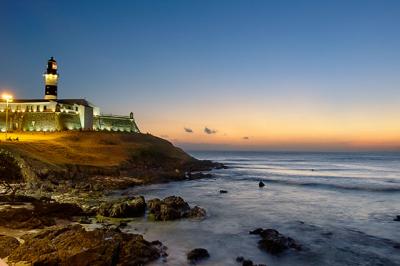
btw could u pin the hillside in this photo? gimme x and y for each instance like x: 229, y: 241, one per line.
x: 84, y: 154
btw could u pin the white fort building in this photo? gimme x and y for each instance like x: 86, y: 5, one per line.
x: 53, y: 114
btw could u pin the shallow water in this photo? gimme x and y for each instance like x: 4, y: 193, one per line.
x: 339, y: 206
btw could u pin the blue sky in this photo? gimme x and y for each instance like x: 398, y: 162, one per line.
x: 216, y: 64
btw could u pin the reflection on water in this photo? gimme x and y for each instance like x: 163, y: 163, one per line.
x: 340, y: 207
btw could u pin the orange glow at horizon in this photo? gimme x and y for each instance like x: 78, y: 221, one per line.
x: 305, y: 128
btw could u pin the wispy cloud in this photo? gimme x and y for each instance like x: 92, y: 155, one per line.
x: 209, y: 130
x: 188, y: 130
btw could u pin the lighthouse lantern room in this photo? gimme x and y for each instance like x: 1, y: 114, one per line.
x: 51, y: 80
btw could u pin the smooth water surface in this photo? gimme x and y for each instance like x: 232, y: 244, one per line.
x: 339, y: 206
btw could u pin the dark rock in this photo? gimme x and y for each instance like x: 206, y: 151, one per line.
x: 129, y: 207
x: 156, y: 242
x: 172, y: 208
x: 198, y: 175
x: 84, y: 220
x: 7, y: 245
x: 122, y: 224
x: 397, y: 219
x: 176, y: 203
x: 247, y: 263
x: 397, y: 246
x: 196, y: 212
x: 274, y: 242
x: 40, y: 215
x: 257, y: 231
x: 168, y: 213
x: 197, y: 254
x: 223, y: 191
x: 73, y: 245
x: 261, y: 184
x: 239, y: 259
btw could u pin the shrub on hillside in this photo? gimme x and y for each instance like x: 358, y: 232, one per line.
x: 10, y: 173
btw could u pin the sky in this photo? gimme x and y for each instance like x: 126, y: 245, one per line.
x: 219, y: 75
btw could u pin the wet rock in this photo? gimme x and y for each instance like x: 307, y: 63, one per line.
x: 247, y: 263
x: 197, y: 254
x: 38, y: 215
x: 198, y: 175
x: 196, y: 212
x: 7, y: 245
x: 128, y: 207
x: 122, y: 224
x: 261, y: 184
x: 84, y: 220
x: 223, y: 191
x: 274, y: 242
x: 397, y: 219
x: 172, y: 208
x: 239, y: 259
x: 73, y: 245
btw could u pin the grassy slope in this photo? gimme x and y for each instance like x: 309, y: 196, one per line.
x: 92, y: 149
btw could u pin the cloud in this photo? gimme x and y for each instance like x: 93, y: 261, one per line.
x: 246, y: 138
x: 209, y: 131
x: 188, y: 130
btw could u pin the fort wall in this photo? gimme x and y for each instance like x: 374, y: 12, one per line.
x: 60, y: 121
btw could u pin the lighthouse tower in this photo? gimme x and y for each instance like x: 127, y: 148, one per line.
x: 51, y: 80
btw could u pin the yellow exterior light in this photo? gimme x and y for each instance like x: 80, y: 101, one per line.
x: 7, y: 97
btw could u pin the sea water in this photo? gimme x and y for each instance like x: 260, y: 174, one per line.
x: 339, y: 206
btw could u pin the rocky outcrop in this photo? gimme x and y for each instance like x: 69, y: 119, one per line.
x: 172, y: 208
x: 73, y: 245
x: 37, y: 214
x: 397, y: 218
x: 197, y: 254
x: 274, y: 242
x: 124, y: 208
x: 7, y: 245
x: 247, y: 262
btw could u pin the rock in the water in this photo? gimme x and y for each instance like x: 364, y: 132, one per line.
x: 128, y: 207
x: 397, y: 219
x: 239, y: 259
x: 172, y: 208
x: 196, y: 212
x: 73, y: 245
x: 247, y: 263
x: 7, y: 245
x: 261, y: 184
x: 197, y: 254
x: 198, y: 175
x: 274, y: 242
x: 223, y: 191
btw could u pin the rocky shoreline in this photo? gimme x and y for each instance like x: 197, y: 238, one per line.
x: 52, y: 206
x: 56, y: 233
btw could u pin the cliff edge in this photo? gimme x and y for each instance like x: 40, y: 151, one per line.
x: 143, y: 158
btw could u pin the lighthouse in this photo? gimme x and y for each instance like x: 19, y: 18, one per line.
x: 51, y: 80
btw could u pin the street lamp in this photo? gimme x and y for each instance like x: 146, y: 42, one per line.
x: 8, y: 98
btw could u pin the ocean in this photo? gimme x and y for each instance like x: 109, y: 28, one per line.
x: 339, y: 206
